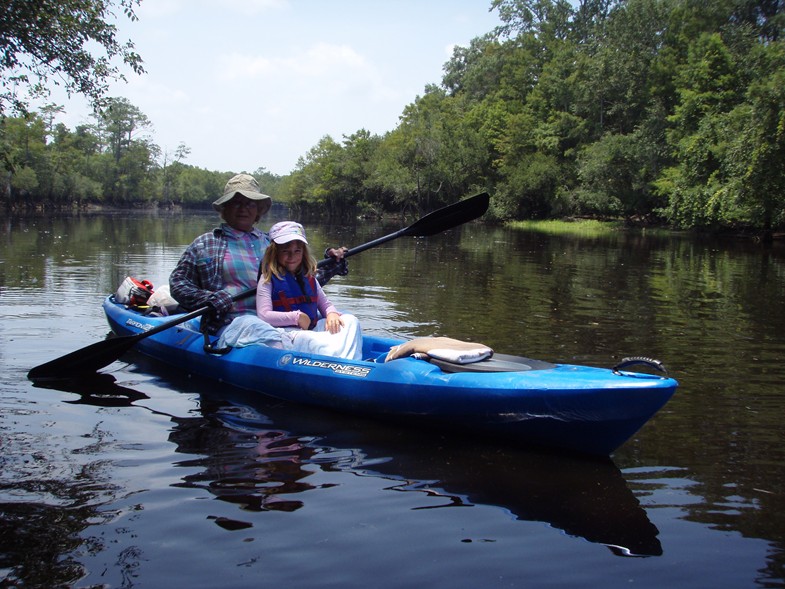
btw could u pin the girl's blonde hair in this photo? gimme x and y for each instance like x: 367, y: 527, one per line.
x: 271, y: 266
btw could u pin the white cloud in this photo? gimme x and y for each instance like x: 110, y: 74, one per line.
x: 322, y: 60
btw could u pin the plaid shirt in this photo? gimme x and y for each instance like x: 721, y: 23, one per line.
x: 201, y: 275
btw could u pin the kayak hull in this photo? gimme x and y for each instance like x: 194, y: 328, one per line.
x: 569, y: 407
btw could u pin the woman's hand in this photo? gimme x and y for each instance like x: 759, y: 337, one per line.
x: 333, y: 323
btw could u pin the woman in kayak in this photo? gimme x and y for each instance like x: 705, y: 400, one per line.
x: 225, y: 261
x: 289, y: 296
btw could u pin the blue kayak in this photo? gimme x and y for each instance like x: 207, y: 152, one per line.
x: 576, y: 408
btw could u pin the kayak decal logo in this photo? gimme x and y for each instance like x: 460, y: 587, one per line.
x: 135, y: 323
x: 336, y: 367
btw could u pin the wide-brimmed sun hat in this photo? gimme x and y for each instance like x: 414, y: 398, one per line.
x: 287, y: 231
x: 246, y: 185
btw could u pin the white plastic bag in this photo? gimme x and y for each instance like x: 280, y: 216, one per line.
x: 163, y: 299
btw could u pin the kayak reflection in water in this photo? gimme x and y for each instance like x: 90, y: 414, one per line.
x: 252, y: 468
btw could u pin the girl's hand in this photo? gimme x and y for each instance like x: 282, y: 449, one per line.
x: 303, y: 321
x: 333, y: 322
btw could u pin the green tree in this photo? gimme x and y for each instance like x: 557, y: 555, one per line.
x: 54, y: 41
x: 358, y: 153
x: 696, y: 186
x: 755, y: 158
x: 315, y: 180
x: 128, y: 149
x: 434, y: 159
x: 616, y: 175
x: 476, y: 70
x: 171, y: 165
x: 613, y: 84
x: 24, y: 180
x: 70, y: 153
x: 389, y: 180
x: 25, y: 158
x: 48, y: 112
x: 197, y: 187
x: 543, y: 19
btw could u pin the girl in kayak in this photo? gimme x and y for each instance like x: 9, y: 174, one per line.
x: 289, y: 296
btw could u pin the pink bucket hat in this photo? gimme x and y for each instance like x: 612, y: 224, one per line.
x: 287, y: 231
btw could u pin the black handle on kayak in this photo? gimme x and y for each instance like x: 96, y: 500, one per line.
x: 637, y: 360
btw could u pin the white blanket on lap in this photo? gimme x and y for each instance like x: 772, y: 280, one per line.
x: 248, y: 330
x: 347, y: 343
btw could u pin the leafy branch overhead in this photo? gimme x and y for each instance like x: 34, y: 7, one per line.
x: 68, y: 43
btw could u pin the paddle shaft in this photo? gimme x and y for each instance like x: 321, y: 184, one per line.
x: 95, y: 356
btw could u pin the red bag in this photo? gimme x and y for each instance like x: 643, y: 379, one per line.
x: 133, y: 292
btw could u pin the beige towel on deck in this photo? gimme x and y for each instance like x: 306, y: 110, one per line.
x: 442, y: 348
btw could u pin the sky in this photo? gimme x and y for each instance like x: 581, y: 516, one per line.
x: 257, y: 83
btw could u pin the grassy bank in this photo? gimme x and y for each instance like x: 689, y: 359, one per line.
x: 582, y: 227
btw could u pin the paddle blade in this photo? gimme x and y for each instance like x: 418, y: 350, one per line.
x: 85, y: 361
x: 439, y: 220
x: 450, y: 216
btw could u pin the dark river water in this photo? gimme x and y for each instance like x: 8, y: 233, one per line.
x: 149, y: 478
